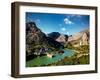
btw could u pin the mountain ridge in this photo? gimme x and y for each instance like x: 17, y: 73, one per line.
x: 37, y: 40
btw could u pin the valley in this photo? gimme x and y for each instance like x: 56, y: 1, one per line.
x: 55, y: 49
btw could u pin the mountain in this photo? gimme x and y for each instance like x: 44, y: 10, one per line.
x: 81, y: 38
x: 54, y: 35
x: 37, y: 41
x: 62, y: 38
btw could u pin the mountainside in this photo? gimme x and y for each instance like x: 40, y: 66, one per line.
x: 37, y: 41
x: 81, y: 38
x: 58, y: 37
x: 54, y: 35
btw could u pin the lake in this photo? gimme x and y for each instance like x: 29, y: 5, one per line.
x: 44, y: 60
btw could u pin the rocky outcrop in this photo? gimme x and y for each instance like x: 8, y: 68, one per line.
x: 37, y: 42
x: 85, y: 39
x: 54, y: 35
x: 62, y: 38
x: 81, y: 38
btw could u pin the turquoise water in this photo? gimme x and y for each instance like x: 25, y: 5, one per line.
x: 44, y: 60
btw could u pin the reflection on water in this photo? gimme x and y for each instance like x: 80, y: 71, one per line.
x: 44, y: 60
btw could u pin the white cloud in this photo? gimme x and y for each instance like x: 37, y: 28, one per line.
x: 63, y: 29
x: 67, y: 21
x: 67, y: 33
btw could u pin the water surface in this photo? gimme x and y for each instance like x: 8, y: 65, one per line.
x: 44, y: 60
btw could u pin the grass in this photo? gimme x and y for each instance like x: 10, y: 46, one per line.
x: 81, y: 56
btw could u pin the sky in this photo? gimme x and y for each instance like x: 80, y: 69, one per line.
x: 63, y: 23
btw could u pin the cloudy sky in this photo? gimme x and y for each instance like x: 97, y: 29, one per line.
x: 63, y: 23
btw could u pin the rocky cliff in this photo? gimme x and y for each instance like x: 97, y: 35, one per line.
x: 81, y: 38
x: 37, y: 41
x: 62, y: 38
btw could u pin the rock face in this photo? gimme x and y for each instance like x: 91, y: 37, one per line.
x: 37, y: 42
x: 81, y: 38
x: 62, y: 39
x: 85, y: 39
x: 33, y: 34
x: 54, y: 35
x: 58, y: 37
